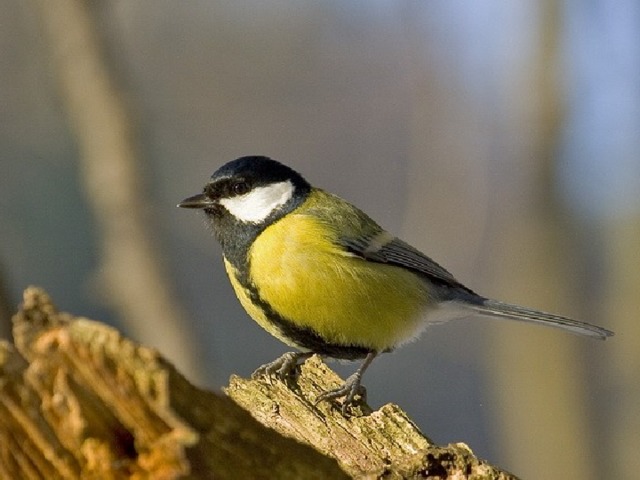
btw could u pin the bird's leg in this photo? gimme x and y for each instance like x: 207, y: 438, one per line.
x: 283, y: 366
x: 351, y: 387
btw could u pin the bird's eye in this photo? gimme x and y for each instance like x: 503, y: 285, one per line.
x: 240, y: 188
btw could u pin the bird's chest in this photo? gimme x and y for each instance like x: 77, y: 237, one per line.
x: 293, y: 262
x: 284, y: 280
x: 299, y: 278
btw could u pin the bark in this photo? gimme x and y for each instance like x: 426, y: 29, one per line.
x: 78, y: 400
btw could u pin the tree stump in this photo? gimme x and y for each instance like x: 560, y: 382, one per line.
x: 78, y: 400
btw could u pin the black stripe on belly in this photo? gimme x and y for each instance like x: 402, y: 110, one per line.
x: 303, y: 337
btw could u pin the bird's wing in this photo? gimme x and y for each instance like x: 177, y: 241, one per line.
x: 359, y: 235
x: 385, y: 248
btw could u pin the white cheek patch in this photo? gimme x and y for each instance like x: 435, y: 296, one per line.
x: 258, y: 204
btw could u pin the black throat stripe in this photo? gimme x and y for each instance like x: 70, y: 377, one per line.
x: 303, y: 337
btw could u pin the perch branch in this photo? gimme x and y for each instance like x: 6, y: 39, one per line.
x: 77, y: 400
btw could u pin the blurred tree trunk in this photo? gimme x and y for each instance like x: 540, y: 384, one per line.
x: 132, y: 279
x: 621, y: 305
x: 538, y: 374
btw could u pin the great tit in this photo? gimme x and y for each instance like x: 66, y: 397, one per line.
x: 323, y: 277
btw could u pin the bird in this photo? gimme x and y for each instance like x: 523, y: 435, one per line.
x: 323, y: 277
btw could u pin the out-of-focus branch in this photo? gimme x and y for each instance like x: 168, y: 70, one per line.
x: 77, y: 400
x: 131, y: 273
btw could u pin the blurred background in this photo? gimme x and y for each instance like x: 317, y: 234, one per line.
x: 501, y: 138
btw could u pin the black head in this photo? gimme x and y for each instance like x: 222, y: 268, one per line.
x: 247, y: 194
x: 250, y: 188
x: 259, y: 171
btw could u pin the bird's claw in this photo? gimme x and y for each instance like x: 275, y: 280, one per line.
x: 282, y: 367
x: 349, y: 390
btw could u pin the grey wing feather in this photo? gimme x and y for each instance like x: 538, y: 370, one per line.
x: 400, y: 253
x: 404, y: 255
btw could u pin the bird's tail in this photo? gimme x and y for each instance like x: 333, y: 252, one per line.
x: 496, y: 309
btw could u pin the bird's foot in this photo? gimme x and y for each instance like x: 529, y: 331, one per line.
x: 282, y: 367
x: 349, y: 390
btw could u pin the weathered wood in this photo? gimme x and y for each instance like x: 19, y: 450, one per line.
x: 369, y: 444
x: 77, y: 400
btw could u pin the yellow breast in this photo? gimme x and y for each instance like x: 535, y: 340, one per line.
x: 311, y: 281
x: 251, y: 308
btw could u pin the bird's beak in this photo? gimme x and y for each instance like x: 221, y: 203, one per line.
x: 197, y: 201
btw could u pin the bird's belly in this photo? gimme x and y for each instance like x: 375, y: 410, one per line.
x: 345, y: 300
